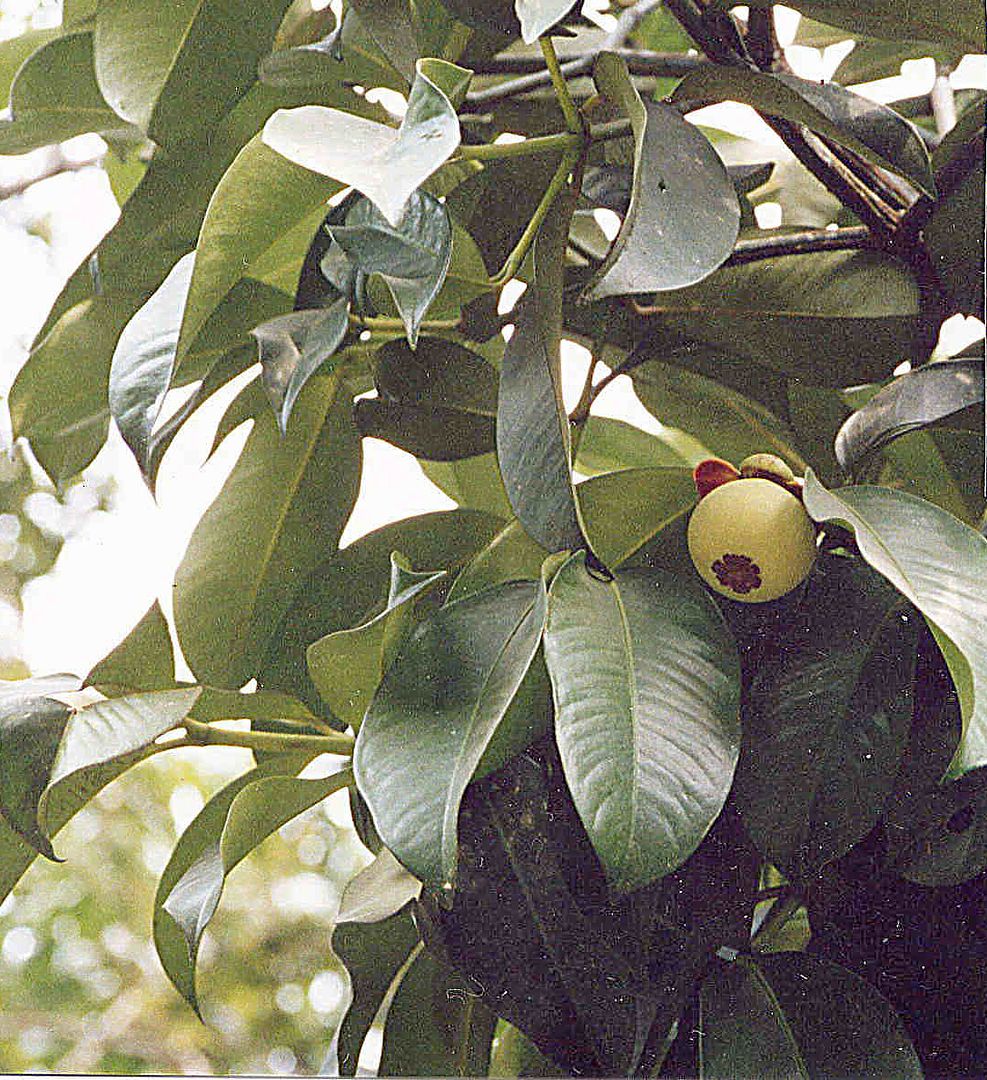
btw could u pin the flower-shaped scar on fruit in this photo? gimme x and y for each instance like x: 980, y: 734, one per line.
x: 750, y: 537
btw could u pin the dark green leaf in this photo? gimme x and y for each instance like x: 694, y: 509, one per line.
x: 872, y: 59
x: 647, y: 689
x: 347, y: 665
x: 281, y: 517
x: 387, y: 165
x: 446, y: 694
x: 492, y: 15
x: 918, y: 399
x: 874, y: 131
x: 943, y: 580
x: 144, y: 660
x: 792, y: 1015
x: 827, y: 718
x: 179, y: 80
x: 389, y: 24
x: 683, y: 217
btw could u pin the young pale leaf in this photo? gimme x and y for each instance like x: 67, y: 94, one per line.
x: 55, y: 96
x: 647, y: 688
x: 827, y: 719
x: 683, y: 217
x: 434, y: 715
x: 202, y: 836
x: 387, y: 165
x: 944, y: 581
x: 347, y: 665
x: 144, y: 660
x: 293, y: 347
x: 280, y: 515
x: 537, y: 17
x: 379, y: 891
x: 374, y: 955
x: 176, y: 70
x: 144, y: 359
x: 872, y: 130
x: 918, y: 399
x: 412, y: 257
x: 794, y: 1015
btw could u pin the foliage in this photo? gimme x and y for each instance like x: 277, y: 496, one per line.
x: 620, y: 826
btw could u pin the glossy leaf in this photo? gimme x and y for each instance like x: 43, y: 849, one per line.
x: 446, y: 694
x: 54, y: 97
x: 944, y: 581
x: 827, y: 719
x: 144, y: 660
x: 537, y: 17
x: 202, y: 835
x: 793, y: 1015
x: 438, y: 402
x: 646, y: 685
x: 918, y: 399
x: 387, y: 165
x: 378, y: 891
x: 874, y: 131
x: 282, y: 518
x: 293, y: 347
x: 175, y: 71
x: 683, y: 217
x: 347, y: 665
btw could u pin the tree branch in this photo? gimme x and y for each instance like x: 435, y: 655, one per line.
x: 800, y: 243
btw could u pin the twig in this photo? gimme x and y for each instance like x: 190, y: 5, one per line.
x: 199, y: 734
x: 801, y: 243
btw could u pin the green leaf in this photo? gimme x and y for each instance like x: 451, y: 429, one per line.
x: 54, y: 97
x: 647, y: 688
x: 533, y: 446
x: 281, y: 517
x: 683, y: 217
x: 144, y: 660
x: 943, y: 580
x: 446, y: 694
x: 537, y: 17
x: 270, y: 705
x: 918, y: 399
x: 58, y: 400
x: 434, y: 1026
x: 258, y: 199
x: 175, y: 71
x: 389, y: 24
x: 474, y: 483
x: 872, y: 59
x: 438, y: 402
x: 827, y: 719
x: 379, y: 891
x: 875, y: 132
x: 16, y: 50
x: 608, y: 445
x: 794, y: 1015
x: 143, y: 361
x: 347, y: 665
x: 198, y: 846
x: 351, y: 586
x: 492, y: 15
x: 412, y: 257
x: 387, y: 165
x: 293, y: 347
x: 374, y: 955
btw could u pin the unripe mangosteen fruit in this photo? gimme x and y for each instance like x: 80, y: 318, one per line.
x: 751, y: 540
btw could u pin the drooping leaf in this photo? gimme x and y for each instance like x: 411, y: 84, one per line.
x: 918, y: 399
x: 872, y: 130
x: 347, y: 665
x: 794, y: 1015
x: 438, y: 402
x: 175, y: 71
x: 55, y: 96
x: 201, y: 836
x: 293, y: 347
x: 378, y: 891
x: 827, y: 718
x: 646, y: 684
x: 373, y: 954
x: 446, y: 694
x: 387, y: 165
x: 144, y: 660
x: 944, y: 581
x: 282, y: 517
x: 683, y: 217
x: 537, y: 17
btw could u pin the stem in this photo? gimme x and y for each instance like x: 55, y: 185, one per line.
x: 800, y: 243
x: 552, y: 192
x: 199, y: 734
x: 540, y: 144
x: 580, y: 414
x: 573, y: 117
x: 386, y: 326
x: 783, y: 909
